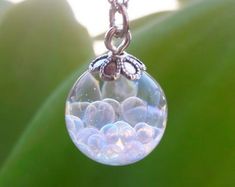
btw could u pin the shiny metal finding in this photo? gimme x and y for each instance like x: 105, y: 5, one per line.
x: 117, y: 62
x: 116, y: 31
x: 116, y: 50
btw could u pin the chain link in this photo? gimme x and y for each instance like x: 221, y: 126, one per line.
x: 115, y: 3
x: 125, y: 21
x: 118, y: 7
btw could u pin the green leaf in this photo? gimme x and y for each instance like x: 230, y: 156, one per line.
x: 191, y: 53
x: 40, y: 45
x: 183, y: 3
x: 138, y: 23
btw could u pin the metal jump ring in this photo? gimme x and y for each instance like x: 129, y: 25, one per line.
x: 109, y: 37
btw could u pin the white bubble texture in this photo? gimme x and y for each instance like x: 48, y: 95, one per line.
x: 116, y: 122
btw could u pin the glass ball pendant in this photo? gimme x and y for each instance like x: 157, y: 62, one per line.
x: 115, y: 113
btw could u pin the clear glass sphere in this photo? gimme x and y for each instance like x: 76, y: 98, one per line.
x: 116, y: 122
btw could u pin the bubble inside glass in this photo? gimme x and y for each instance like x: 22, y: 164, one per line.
x: 116, y: 122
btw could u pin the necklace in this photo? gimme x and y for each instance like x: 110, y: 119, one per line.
x: 116, y: 113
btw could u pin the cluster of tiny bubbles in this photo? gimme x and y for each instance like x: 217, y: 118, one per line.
x: 116, y: 122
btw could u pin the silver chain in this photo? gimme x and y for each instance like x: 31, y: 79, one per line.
x: 115, y: 31
x: 116, y: 3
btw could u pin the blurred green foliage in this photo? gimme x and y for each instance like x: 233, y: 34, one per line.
x: 40, y: 44
x: 190, y: 52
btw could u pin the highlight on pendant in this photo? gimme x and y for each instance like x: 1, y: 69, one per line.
x: 116, y: 122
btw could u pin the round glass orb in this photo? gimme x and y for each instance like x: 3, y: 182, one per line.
x: 116, y: 122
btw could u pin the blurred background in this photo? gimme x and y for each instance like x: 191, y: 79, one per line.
x: 187, y: 45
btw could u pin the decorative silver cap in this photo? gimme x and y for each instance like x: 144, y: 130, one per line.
x: 112, y: 66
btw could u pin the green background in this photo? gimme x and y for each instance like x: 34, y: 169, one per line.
x: 191, y: 52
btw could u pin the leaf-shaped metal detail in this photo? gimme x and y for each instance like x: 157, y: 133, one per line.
x: 110, y: 67
x: 137, y: 62
x: 130, y: 69
x: 96, y: 64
